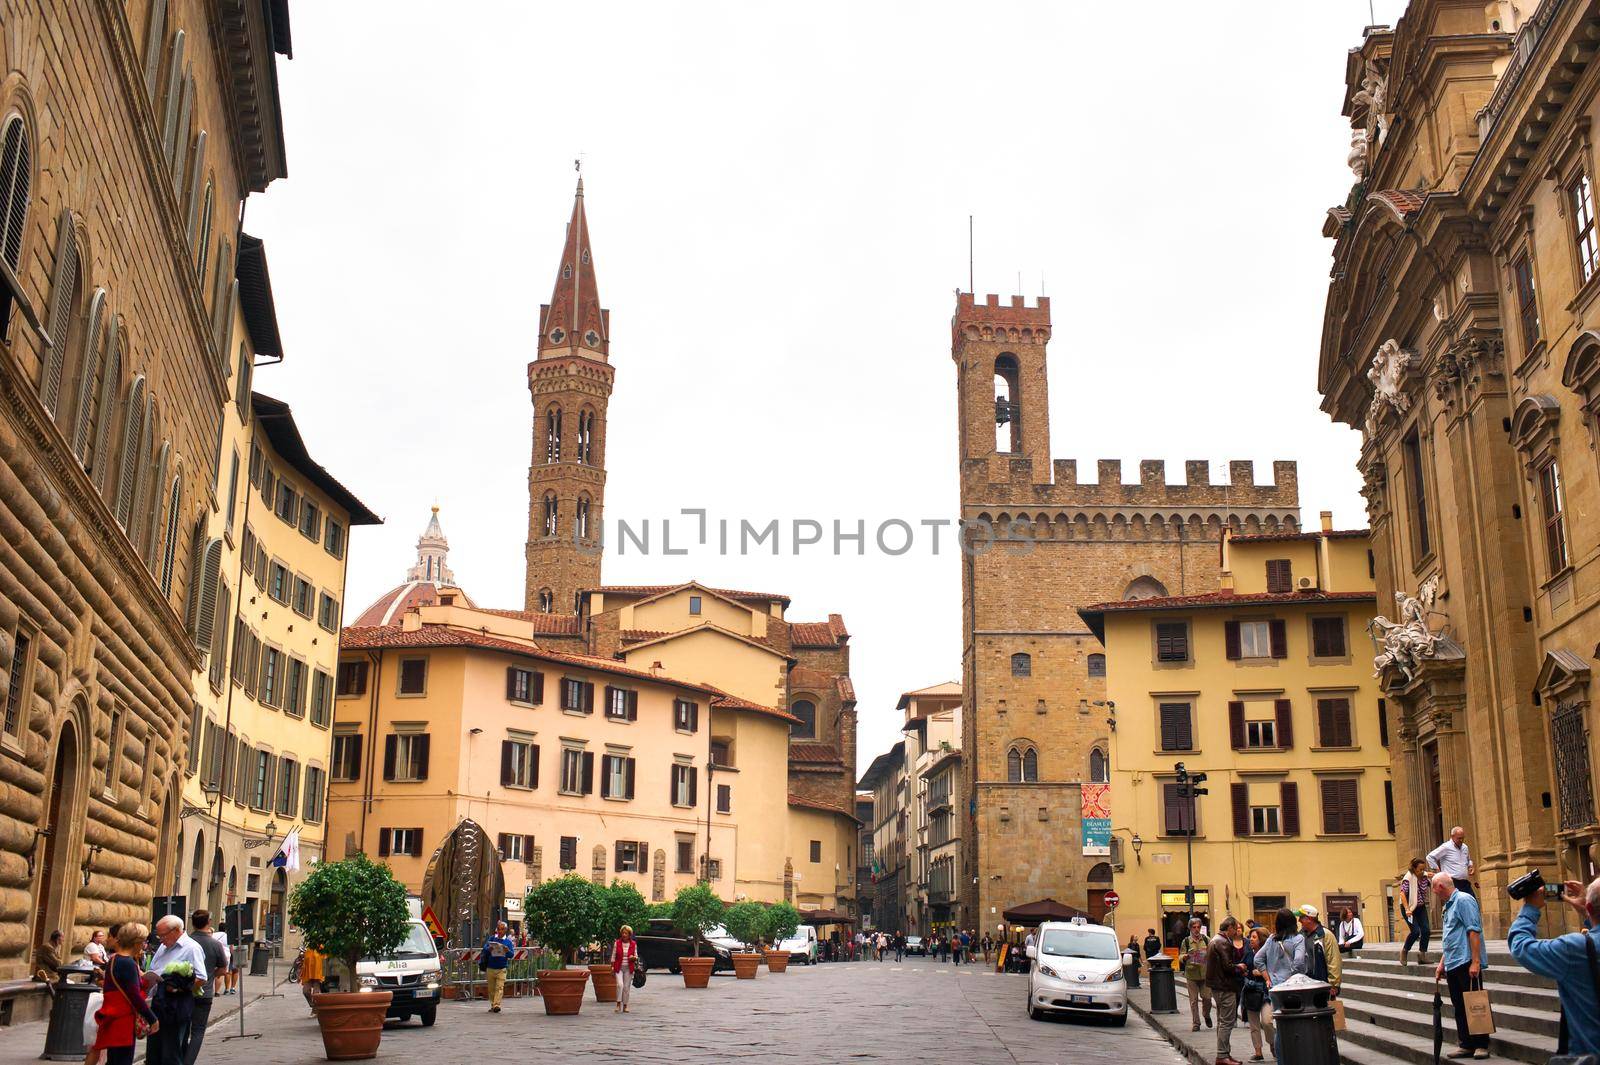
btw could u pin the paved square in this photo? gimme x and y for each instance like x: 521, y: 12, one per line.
x: 918, y: 1011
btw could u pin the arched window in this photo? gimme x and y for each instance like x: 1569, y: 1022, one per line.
x: 1097, y: 665
x: 152, y: 507
x: 551, y: 523
x: 65, y: 293
x: 1021, y: 665
x: 1022, y: 764
x: 1007, y: 405
x: 85, y: 406
x: 206, y: 578
x: 552, y: 435
x: 207, y: 204
x: 1030, y: 765
x: 1098, y: 772
x: 173, y: 98
x: 806, y: 727
x: 1144, y: 588
x: 170, y: 551
x: 16, y: 182
x: 97, y: 453
x: 586, y: 437
x: 133, y: 435
x: 1013, y: 765
x: 547, y: 600
x: 580, y: 519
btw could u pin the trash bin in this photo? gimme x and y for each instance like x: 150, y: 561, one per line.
x: 1163, y: 990
x: 63, y: 1040
x: 260, y: 958
x: 1130, y: 968
x: 1304, y: 1022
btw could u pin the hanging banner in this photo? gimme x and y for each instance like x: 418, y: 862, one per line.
x: 1096, y: 819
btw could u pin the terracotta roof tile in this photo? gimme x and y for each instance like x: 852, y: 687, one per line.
x: 830, y: 633
x: 822, y: 753
x: 657, y: 589
x: 552, y: 624
x: 727, y: 701
x: 1268, y: 538
x: 1229, y: 599
x: 639, y: 635
x: 824, y: 807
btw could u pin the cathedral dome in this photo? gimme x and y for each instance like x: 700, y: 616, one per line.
x: 425, y: 584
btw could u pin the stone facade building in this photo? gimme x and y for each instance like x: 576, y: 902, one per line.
x: 1040, y: 544
x: 1462, y: 336
x: 129, y: 136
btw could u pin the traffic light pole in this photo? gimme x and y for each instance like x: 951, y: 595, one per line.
x: 1189, y: 788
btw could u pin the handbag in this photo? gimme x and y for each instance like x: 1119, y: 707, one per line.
x: 1480, y: 1017
x: 638, y: 978
x: 1338, y: 1014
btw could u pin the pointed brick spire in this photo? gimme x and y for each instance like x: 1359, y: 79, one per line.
x: 573, y: 322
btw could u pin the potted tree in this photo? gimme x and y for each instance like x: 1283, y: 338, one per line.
x: 351, y: 910
x: 782, y: 921
x: 564, y: 914
x: 747, y: 922
x: 695, y: 911
x: 620, y: 904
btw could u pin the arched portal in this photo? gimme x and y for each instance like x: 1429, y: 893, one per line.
x: 51, y: 882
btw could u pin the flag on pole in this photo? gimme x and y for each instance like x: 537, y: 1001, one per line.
x: 288, y: 856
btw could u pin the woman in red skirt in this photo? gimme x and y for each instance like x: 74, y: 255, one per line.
x: 125, y: 1005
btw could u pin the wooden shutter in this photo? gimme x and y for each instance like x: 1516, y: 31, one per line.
x: 605, y: 775
x: 1289, y: 800
x: 1340, y: 813
x: 610, y: 694
x: 1176, y: 731
x: 422, y: 743
x: 569, y: 852
x: 1177, y: 810
x: 533, y: 765
x: 527, y: 850
x: 1241, y: 809
x: 500, y: 845
x: 416, y: 842
x: 588, y: 697
x: 694, y: 786
x: 633, y: 709
x: 644, y: 848
x: 617, y: 862
x: 694, y: 717
x: 1278, y: 630
x: 1230, y: 639
x: 627, y: 770
x: 1236, y: 724
x: 672, y: 785
x: 389, y: 744
x: 588, y: 772
x: 507, y: 753
x: 511, y: 683
x: 1280, y: 575
x: 383, y: 843
x: 1333, y: 721
x: 62, y: 289
x: 538, y: 687
x: 355, y: 758
x: 1284, y: 711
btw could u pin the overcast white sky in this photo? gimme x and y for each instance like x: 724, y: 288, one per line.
x: 778, y: 201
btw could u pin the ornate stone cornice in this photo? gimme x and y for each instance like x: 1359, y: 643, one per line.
x: 1458, y: 375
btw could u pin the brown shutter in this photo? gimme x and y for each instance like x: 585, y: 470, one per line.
x: 588, y: 772
x: 1241, y: 809
x: 617, y: 864
x: 1230, y: 639
x: 538, y: 687
x: 416, y: 842
x: 1236, y: 724
x: 500, y: 845
x: 533, y: 765
x: 1177, y: 733
x: 527, y: 850
x: 1278, y: 629
x: 1280, y: 575
x: 609, y: 695
x: 1289, y: 799
x: 389, y: 742
x: 423, y: 742
x: 1341, y: 715
x: 694, y: 786
x: 511, y: 682
x: 694, y: 717
x: 633, y: 708
x: 1284, y: 710
x: 627, y: 769
x: 1330, y: 806
x: 672, y: 785
x: 383, y: 843
x: 1176, y: 809
x: 605, y: 773
x: 507, y: 750
x: 644, y: 848
x: 588, y: 697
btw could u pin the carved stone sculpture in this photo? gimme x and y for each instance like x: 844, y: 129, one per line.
x: 1387, y: 374
x: 1358, y: 154
x: 1405, y: 643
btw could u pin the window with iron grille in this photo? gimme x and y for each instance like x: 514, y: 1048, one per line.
x: 1574, y: 785
x: 1097, y: 665
x: 16, y: 697
x: 685, y: 856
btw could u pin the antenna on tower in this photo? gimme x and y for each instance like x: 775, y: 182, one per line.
x: 969, y: 255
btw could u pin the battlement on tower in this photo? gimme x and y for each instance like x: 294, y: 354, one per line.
x: 992, y: 320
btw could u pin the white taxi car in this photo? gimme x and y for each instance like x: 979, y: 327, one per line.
x: 1077, y: 968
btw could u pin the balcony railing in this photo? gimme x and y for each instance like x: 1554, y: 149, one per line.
x: 1523, y: 47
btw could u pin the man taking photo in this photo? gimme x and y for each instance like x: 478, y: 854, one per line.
x: 1572, y: 960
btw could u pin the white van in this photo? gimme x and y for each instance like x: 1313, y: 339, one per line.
x: 413, y: 973
x: 1077, y: 968
x: 802, y: 946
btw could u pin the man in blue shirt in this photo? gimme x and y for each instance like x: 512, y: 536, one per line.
x: 497, y: 952
x: 1565, y: 960
x: 1463, y: 958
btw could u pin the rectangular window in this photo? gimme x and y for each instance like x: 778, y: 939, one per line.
x: 219, y: 636
x: 622, y: 704
x: 352, y: 678
x: 233, y: 489
x: 519, y: 764
x: 685, y: 855
x: 1172, y: 641
x: 577, y: 771
x: 197, y: 723
x: 405, y: 757
x: 816, y: 851
x: 724, y: 798
x: 247, y: 550
x: 616, y: 777
x: 346, y: 756
x: 1341, y: 812
x: 288, y: 504
x: 684, y: 784
x: 1555, y: 533
x: 1264, y: 821
x: 16, y: 682
x: 1421, y: 536
x: 1178, y: 819
x: 1255, y: 639
x: 1280, y: 576
x: 305, y: 597
x: 630, y: 856
x: 721, y: 753
x: 316, y: 795
x: 694, y: 604
x: 333, y: 538
x: 413, y: 676
x: 524, y: 686
x: 1527, y: 301
x: 577, y: 696
x: 328, y: 612
x: 1388, y: 804
x: 400, y: 841
x: 271, y: 677
x: 1333, y: 723
x: 1327, y: 637
x: 1581, y: 195
x: 261, y: 780
x: 1259, y: 734
x: 1177, y: 731
x: 288, y: 787
x: 569, y: 852
x: 321, y: 697
x: 685, y: 715
x: 278, y: 582
x: 1383, y: 722
x: 294, y: 687
x: 310, y: 520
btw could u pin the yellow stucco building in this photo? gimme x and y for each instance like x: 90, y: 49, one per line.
x: 1266, y: 687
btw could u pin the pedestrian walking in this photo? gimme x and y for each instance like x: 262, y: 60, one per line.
x: 1461, y: 964
x: 1224, y: 973
x: 493, y: 959
x: 1414, y: 891
x: 219, y: 977
x: 1453, y: 856
x: 988, y: 947
x: 1569, y: 960
x: 1322, y: 950
x: 1352, y: 937
x: 1282, y: 956
x: 125, y: 1008
x: 1253, y: 995
x: 624, y: 961
x: 955, y: 948
x: 216, y: 960
x: 1152, y: 943
x: 173, y: 996
x: 1193, y: 951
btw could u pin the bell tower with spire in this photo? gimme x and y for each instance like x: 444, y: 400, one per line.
x: 570, y: 382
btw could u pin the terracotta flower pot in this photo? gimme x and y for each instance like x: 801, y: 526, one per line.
x: 696, y: 971
x: 745, y: 966
x: 562, y: 990
x: 351, y: 1022
x: 605, y: 983
x: 777, y: 961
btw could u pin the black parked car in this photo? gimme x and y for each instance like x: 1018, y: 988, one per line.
x: 661, y: 945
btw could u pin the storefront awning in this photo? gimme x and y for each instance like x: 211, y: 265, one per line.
x: 1034, y: 913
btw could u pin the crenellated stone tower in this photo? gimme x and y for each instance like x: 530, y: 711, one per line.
x: 1033, y: 675
x: 570, y: 382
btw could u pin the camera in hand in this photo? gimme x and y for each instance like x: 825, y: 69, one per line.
x: 1524, y: 886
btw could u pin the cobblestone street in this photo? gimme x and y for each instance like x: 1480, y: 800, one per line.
x: 918, y: 1011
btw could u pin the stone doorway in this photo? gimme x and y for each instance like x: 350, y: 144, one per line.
x: 1435, y: 811
x: 50, y: 904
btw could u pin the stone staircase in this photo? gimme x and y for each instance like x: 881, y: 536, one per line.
x: 1389, y: 1009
